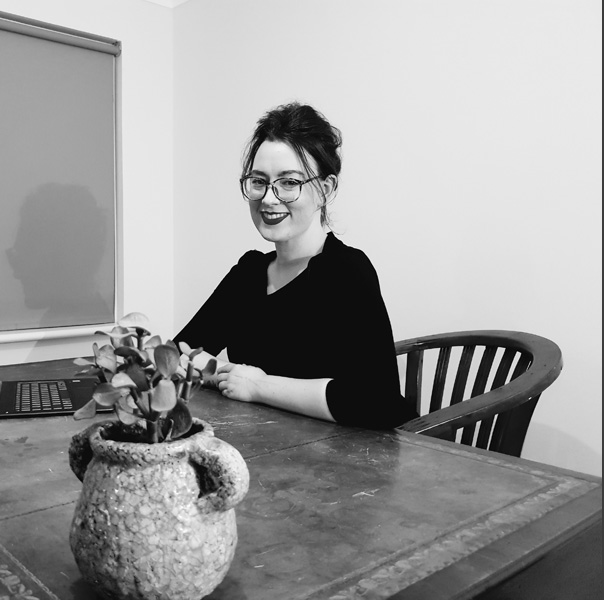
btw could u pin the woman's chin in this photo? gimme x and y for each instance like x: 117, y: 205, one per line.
x: 272, y: 233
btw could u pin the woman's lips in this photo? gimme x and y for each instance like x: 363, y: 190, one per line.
x: 273, y: 218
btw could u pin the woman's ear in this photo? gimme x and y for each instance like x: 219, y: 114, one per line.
x: 329, y: 187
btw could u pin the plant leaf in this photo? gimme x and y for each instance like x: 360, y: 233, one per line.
x: 93, y: 370
x: 167, y: 360
x: 131, y: 352
x: 185, y: 348
x: 126, y: 417
x: 195, y: 352
x: 181, y: 415
x: 106, y: 395
x: 128, y: 404
x: 86, y: 412
x: 173, y: 344
x: 122, y: 379
x: 210, y: 368
x: 138, y: 376
x: 138, y: 320
x: 121, y: 336
x: 152, y: 342
x: 83, y: 362
x: 134, y: 319
x: 166, y: 429
x: 208, y: 374
x: 107, y: 362
x: 163, y: 396
x: 144, y: 402
x: 151, y: 356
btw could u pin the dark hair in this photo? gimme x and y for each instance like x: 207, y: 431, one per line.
x: 308, y: 133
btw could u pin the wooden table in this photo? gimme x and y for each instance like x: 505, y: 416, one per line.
x: 333, y: 513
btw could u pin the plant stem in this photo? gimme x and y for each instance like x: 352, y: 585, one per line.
x: 153, y: 432
x: 140, y: 336
x: 137, y: 400
x: 186, y: 388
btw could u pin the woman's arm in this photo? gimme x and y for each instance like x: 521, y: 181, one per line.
x: 212, y: 325
x: 250, y: 384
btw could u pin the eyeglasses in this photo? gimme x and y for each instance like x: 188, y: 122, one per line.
x: 285, y: 189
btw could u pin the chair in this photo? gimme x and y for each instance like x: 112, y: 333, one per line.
x: 514, y: 367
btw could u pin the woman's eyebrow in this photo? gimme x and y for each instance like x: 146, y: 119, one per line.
x: 288, y: 173
x: 291, y: 172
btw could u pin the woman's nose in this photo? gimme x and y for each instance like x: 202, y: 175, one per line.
x: 270, y: 197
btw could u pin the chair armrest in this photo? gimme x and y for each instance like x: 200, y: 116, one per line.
x: 544, y: 370
x: 528, y: 385
x: 520, y: 340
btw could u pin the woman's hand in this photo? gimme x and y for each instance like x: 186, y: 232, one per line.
x: 240, y: 382
x: 250, y: 384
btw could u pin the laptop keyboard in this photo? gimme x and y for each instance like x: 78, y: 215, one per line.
x: 42, y: 396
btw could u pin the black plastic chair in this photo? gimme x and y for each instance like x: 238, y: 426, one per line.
x: 488, y: 388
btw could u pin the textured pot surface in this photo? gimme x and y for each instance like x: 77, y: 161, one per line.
x: 155, y: 521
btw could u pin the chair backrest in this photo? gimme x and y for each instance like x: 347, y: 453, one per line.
x: 485, y: 387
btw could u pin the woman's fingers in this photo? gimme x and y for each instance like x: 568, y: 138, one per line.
x: 222, y: 377
x: 223, y: 382
x: 225, y: 388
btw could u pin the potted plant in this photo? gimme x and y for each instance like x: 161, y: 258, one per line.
x: 155, y: 519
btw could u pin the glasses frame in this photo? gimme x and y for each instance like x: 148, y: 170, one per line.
x: 272, y: 185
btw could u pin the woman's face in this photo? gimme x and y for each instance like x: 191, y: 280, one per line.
x: 276, y: 221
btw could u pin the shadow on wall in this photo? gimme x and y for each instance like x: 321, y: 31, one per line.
x: 58, y: 250
x: 553, y: 446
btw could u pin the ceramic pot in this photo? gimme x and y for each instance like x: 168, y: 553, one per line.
x: 155, y: 521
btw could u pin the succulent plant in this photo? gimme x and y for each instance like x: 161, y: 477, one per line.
x: 144, y: 379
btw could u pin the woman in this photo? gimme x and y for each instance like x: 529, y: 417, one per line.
x: 295, y: 321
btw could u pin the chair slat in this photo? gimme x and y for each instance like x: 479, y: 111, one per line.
x: 413, y: 378
x: 524, y: 362
x: 484, y: 370
x: 440, y: 377
x: 484, y: 432
x: 505, y: 420
x: 467, y: 435
x: 497, y: 419
x: 503, y: 370
x: 509, y: 435
x: 463, y: 370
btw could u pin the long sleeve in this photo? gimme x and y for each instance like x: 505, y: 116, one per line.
x: 315, y: 327
x: 364, y: 391
x: 215, y: 323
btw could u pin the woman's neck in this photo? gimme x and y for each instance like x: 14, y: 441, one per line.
x: 299, y: 251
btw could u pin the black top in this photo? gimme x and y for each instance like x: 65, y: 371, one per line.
x: 314, y: 327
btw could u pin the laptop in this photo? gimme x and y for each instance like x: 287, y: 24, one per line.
x: 47, y: 397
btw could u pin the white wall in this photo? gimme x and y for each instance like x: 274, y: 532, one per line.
x: 145, y: 30
x: 472, y: 153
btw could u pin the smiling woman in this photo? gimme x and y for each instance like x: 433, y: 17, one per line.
x: 310, y: 304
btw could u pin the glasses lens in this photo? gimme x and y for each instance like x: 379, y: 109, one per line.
x: 288, y: 190
x: 254, y: 188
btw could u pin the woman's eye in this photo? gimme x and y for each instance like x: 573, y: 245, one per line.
x: 258, y: 182
x: 290, y: 184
